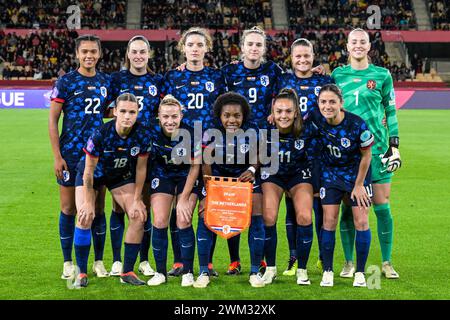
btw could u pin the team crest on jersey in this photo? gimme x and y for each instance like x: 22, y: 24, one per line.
x: 209, y: 86
x: 317, y: 90
x: 155, y: 183
x: 322, y: 193
x: 90, y: 145
x: 152, y: 90
x: 345, y: 142
x: 103, y: 91
x: 204, y: 191
x: 264, y: 175
x: 181, y: 152
x: 244, y: 148
x: 265, y: 81
x: 134, y: 151
x: 299, y: 144
x: 371, y: 84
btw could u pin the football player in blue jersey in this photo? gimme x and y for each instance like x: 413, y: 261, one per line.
x: 82, y: 96
x: 255, y: 79
x: 307, y: 84
x: 119, y: 149
x: 231, y: 114
x: 141, y: 81
x: 346, y: 143
x: 294, y: 175
x: 174, y: 172
x: 196, y: 87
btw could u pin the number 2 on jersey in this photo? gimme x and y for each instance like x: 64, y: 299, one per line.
x: 90, y: 101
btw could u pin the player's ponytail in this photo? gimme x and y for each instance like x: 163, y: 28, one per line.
x: 126, y: 97
x: 291, y: 94
x: 127, y: 60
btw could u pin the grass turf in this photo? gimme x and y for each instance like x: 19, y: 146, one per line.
x: 31, y: 258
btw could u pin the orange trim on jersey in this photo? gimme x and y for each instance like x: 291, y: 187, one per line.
x: 87, y: 152
x: 59, y: 100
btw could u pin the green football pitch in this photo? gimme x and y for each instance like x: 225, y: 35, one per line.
x: 31, y: 258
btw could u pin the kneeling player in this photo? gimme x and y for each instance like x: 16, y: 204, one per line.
x: 120, y: 149
x: 346, y: 157
x: 232, y: 111
x: 173, y: 175
x: 293, y: 176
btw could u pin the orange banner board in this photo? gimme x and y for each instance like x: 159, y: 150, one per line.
x: 228, y: 207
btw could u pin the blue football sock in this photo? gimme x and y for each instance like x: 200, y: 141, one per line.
x: 363, y: 239
x: 233, y: 247
x: 160, y: 242
x: 270, y: 245
x: 204, y: 242
x: 318, y: 221
x: 98, y: 230
x: 291, y: 226
x: 256, y: 238
x: 187, y: 243
x: 130, y: 256
x: 213, y: 246
x: 328, y: 243
x: 305, y: 236
x: 146, y: 238
x: 174, y: 234
x: 66, y: 231
x: 116, y: 228
x: 82, y: 242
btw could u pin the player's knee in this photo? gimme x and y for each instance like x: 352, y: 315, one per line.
x: 136, y: 224
x: 160, y: 222
x: 269, y: 221
x: 361, y: 222
x: 304, y: 219
x: 69, y: 209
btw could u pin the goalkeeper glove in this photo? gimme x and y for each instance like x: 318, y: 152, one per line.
x: 391, y: 159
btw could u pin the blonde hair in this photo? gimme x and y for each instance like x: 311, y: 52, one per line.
x: 170, y: 100
x: 198, y: 31
x: 127, y: 60
x: 256, y: 30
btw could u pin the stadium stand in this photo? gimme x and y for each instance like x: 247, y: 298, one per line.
x: 51, y: 14
x: 330, y: 15
x: 440, y: 14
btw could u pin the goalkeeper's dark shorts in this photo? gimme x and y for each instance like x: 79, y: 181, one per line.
x: 379, y: 172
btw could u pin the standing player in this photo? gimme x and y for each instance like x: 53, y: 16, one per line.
x: 231, y: 112
x: 307, y: 84
x: 256, y: 80
x: 173, y: 175
x: 369, y: 92
x: 293, y: 176
x: 139, y: 80
x: 120, y: 149
x: 346, y: 156
x: 196, y: 87
x: 82, y: 95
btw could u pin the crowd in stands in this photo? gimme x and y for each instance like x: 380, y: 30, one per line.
x: 212, y: 14
x: 440, y: 14
x: 51, y: 14
x: 331, y: 15
x: 47, y: 55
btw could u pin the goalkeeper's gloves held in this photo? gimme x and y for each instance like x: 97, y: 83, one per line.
x: 391, y: 158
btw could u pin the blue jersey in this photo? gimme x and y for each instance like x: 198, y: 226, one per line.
x: 233, y: 157
x: 172, y: 159
x: 257, y: 85
x: 307, y: 88
x: 146, y: 88
x: 84, y: 101
x: 293, y: 152
x: 117, y: 156
x: 341, y: 144
x: 196, y: 90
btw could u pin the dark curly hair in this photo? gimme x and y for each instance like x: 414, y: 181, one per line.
x: 231, y: 98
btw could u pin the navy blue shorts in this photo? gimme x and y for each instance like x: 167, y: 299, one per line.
x: 333, y: 195
x: 288, y: 182
x: 69, y: 176
x: 110, y: 182
x: 168, y: 185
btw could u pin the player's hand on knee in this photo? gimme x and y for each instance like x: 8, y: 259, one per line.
x: 247, y: 176
x: 184, y: 209
x: 86, y: 214
x: 359, y: 194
